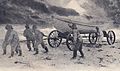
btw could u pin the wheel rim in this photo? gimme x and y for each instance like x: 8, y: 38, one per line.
x: 53, y: 39
x: 93, y: 38
x: 69, y: 42
x: 111, y: 38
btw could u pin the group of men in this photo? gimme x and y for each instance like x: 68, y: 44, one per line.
x: 34, y: 36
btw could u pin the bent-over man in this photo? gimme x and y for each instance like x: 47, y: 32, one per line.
x: 28, y: 33
x: 39, y: 40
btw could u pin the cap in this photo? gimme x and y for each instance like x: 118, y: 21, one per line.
x: 27, y: 25
x: 8, y: 26
x: 34, y: 26
x: 74, y: 26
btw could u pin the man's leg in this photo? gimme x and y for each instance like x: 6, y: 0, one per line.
x: 74, y: 51
x: 36, y: 48
x: 33, y: 44
x: 100, y: 40
x: 16, y: 50
x: 45, y: 47
x: 12, y: 51
x: 28, y: 45
x: 14, y: 46
x: 19, y: 51
x: 4, y: 45
x: 36, y: 51
x: 74, y: 54
x: 80, y: 50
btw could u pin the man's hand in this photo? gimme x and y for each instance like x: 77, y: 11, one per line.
x: 45, y: 36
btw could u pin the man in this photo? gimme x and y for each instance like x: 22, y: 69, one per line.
x: 77, y: 41
x: 11, y: 38
x: 28, y: 33
x: 38, y: 40
x: 99, y: 34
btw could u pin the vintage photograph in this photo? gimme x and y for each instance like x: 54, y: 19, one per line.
x: 59, y: 35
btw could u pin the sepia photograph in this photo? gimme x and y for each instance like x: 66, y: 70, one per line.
x: 59, y: 35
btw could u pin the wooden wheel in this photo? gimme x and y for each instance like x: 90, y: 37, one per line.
x: 93, y: 38
x: 69, y: 41
x: 53, y: 39
x: 111, y: 37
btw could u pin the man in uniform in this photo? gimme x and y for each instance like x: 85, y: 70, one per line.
x: 77, y: 41
x: 11, y: 38
x: 28, y: 33
x: 39, y: 40
x: 99, y: 34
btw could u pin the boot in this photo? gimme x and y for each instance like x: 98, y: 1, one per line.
x: 20, y: 53
x: 29, y: 49
x: 43, y: 46
x: 16, y: 51
x: 74, y: 54
x: 12, y: 54
x: 36, y: 49
x: 82, y: 54
x: 46, y: 50
x: 4, y: 52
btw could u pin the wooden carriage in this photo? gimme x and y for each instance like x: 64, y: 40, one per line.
x: 65, y: 32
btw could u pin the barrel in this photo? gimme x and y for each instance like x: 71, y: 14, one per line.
x: 63, y: 27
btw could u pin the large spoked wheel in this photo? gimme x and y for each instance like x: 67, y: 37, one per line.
x: 111, y: 37
x: 69, y: 41
x: 93, y: 38
x: 53, y: 39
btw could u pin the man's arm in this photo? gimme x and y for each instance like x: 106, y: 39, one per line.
x: 44, y: 34
x: 24, y: 33
x: 4, y: 44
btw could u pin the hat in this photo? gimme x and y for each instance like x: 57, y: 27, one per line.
x: 74, y: 26
x: 34, y: 26
x: 27, y: 25
x: 97, y: 28
x: 8, y: 27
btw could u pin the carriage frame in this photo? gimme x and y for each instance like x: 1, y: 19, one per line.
x: 55, y: 37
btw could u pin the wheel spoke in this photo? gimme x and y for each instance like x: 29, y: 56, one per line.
x: 54, y: 40
x: 69, y: 42
x: 92, y: 38
x: 111, y: 37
